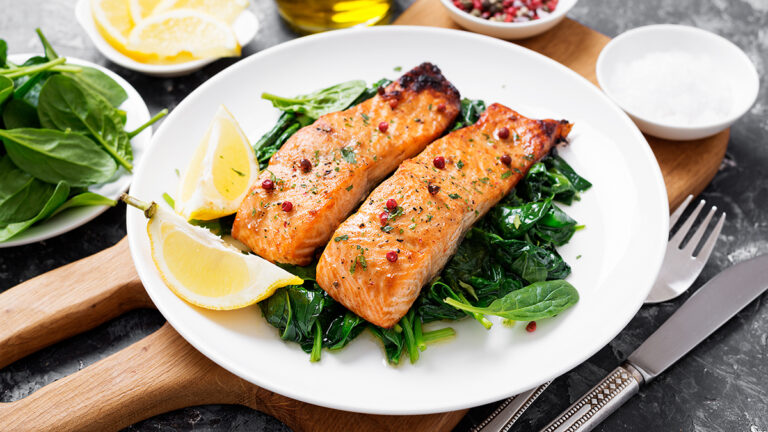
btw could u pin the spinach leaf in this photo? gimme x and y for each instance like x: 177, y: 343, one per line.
x: 52, y: 156
x: 294, y: 310
x: 100, y: 83
x: 3, y: 53
x: 321, y: 102
x: 555, y: 227
x: 6, y: 88
x: 527, y: 260
x: 534, y: 302
x: 64, y: 104
x: 18, y: 113
x: 392, y: 341
x: 430, y: 303
x: 84, y: 199
x: 342, y: 329
x: 556, y: 162
x: 512, y: 222
x: 54, y: 200
x: 371, y: 91
x: 21, y: 195
x: 470, y: 112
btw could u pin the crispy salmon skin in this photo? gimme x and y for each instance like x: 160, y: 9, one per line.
x: 435, y: 208
x: 349, y: 152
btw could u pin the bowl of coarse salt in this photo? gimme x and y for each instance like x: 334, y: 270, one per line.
x: 678, y: 82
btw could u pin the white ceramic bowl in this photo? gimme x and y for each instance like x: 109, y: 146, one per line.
x: 245, y: 27
x: 510, y: 30
x: 727, y: 59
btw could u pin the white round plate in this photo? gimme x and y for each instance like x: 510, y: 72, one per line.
x: 615, y: 259
x: 137, y: 114
x: 245, y: 28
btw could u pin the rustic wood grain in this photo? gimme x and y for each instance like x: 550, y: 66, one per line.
x: 163, y: 372
x: 68, y: 301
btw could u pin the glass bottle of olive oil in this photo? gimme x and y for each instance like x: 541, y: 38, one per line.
x: 312, y: 16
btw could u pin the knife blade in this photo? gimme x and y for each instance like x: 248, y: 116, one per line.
x: 705, y: 311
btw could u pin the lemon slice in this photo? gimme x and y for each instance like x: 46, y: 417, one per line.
x: 183, y: 34
x: 202, y: 269
x: 114, y: 22
x: 225, y: 10
x: 141, y: 9
x: 221, y: 170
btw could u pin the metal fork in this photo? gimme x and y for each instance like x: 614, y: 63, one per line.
x: 680, y: 267
x: 678, y: 271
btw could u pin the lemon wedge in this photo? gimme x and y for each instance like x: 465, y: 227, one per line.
x: 202, y: 269
x: 141, y: 9
x: 182, y: 34
x: 222, y: 168
x: 225, y: 10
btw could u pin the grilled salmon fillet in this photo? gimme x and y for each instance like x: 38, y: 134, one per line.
x: 380, y: 258
x: 346, y: 154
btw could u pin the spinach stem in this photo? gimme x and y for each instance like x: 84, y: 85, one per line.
x: 410, y: 342
x: 317, y: 346
x: 439, y: 334
x: 268, y: 138
x: 271, y: 97
x: 28, y: 70
x: 149, y: 123
x: 476, y: 315
x: 418, y: 334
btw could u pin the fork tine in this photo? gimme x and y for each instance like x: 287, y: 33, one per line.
x: 696, y: 237
x: 706, y: 250
x: 677, y: 239
x: 679, y: 211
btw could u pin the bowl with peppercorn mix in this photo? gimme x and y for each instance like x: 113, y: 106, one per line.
x: 508, y: 19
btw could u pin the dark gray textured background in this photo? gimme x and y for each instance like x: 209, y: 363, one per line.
x: 721, y: 385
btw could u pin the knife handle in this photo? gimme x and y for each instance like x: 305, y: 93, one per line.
x: 600, y: 402
x: 505, y: 416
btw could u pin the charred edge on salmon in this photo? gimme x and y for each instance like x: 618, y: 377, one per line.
x: 428, y: 76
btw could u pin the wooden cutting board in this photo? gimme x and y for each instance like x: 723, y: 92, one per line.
x: 162, y: 372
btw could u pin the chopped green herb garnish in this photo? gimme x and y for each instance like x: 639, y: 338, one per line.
x: 349, y: 188
x: 460, y: 164
x: 341, y: 238
x: 506, y: 174
x: 240, y: 173
x: 348, y: 154
x: 454, y: 196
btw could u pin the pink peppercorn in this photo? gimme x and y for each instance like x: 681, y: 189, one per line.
x: 503, y: 133
x: 391, y: 256
x: 506, y: 160
x: 384, y: 218
x: 268, y: 184
x: 383, y: 126
x: 391, y: 204
x: 287, y: 206
x: 531, y: 327
x: 439, y: 162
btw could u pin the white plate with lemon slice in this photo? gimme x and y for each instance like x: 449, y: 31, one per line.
x: 227, y: 30
x: 614, y: 259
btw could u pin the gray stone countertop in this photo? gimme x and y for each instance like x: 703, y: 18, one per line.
x: 722, y: 385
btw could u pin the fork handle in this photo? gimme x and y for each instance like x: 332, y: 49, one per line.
x: 600, y: 402
x: 67, y: 301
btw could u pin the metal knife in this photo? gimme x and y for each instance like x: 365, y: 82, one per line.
x: 704, y: 312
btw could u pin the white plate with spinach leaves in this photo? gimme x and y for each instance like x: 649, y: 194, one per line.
x: 614, y: 259
x: 69, y: 218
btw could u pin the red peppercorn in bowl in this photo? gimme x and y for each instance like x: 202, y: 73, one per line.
x: 508, y: 19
